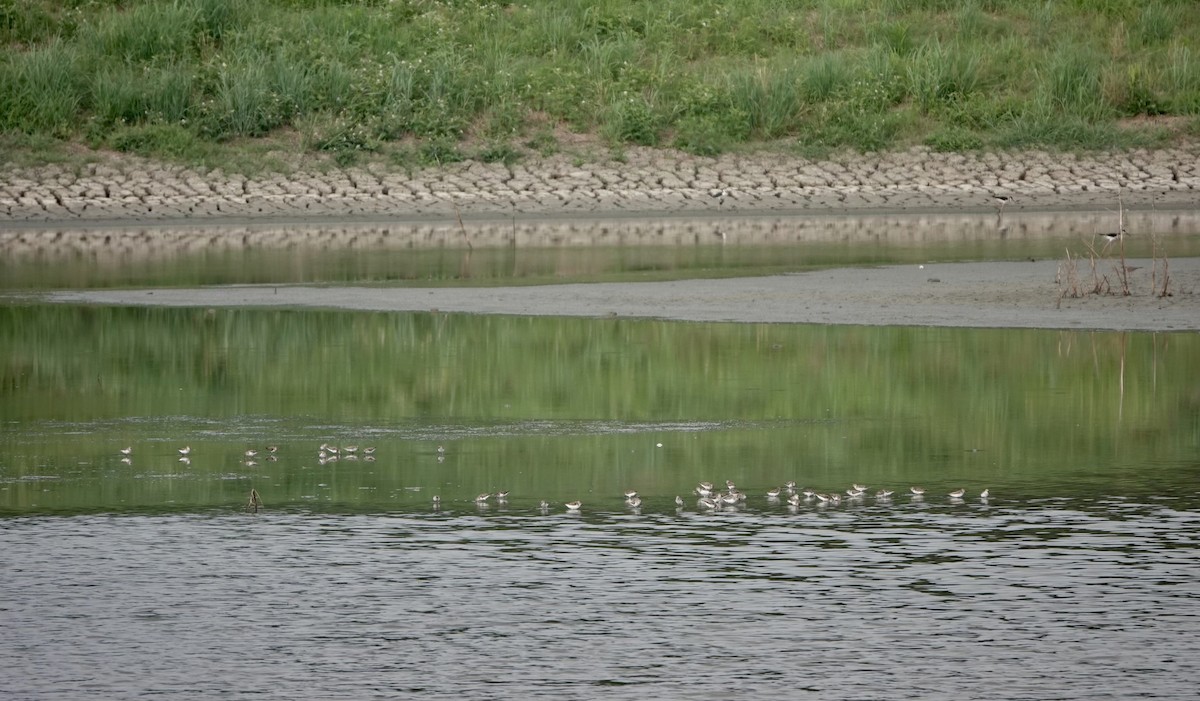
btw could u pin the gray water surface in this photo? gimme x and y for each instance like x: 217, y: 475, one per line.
x: 1056, y: 598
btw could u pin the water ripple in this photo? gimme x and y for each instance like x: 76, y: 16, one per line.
x: 1032, y: 601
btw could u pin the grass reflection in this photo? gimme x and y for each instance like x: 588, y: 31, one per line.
x: 566, y: 408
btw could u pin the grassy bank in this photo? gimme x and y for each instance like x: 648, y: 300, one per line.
x: 223, y: 82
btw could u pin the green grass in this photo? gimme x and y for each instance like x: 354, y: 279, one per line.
x: 435, y: 80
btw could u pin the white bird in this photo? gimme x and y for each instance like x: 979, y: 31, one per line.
x: 957, y: 494
x: 917, y: 491
x: 127, y: 451
x: 482, y: 498
x: 634, y: 502
x: 573, y: 505
x: 984, y: 494
x: 184, y: 451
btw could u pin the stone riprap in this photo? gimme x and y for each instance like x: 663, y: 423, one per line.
x: 645, y: 183
x: 130, y: 208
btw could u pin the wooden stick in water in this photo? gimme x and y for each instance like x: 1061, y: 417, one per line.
x: 255, y: 501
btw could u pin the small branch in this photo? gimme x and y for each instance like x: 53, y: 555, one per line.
x: 463, y: 229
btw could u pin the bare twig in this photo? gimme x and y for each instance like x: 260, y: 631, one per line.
x: 463, y: 229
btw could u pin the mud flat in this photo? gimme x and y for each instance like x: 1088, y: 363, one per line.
x: 986, y: 295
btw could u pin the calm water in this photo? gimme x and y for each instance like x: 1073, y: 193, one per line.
x: 147, y: 576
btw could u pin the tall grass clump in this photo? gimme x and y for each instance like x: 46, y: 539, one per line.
x: 124, y: 94
x: 150, y: 31
x: 1071, y: 82
x: 241, y: 101
x: 1182, y: 76
x: 41, y: 90
x: 772, y: 97
x: 939, y: 75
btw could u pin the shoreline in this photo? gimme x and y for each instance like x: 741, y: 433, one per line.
x: 130, y: 210
x: 125, y: 192
x: 1014, y: 295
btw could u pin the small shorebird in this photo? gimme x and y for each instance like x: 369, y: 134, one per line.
x: 329, y: 448
x: 350, y: 449
x: 774, y: 493
x: 370, y: 450
x: 502, y: 496
x: 706, y: 503
x: 859, y: 487
x: 794, y: 500
x: 573, y: 505
x: 884, y: 494
x: 790, y: 486
x: 957, y: 494
x: 126, y: 451
x: 185, y: 450
x: 255, y: 502
x: 543, y: 505
x: 917, y: 491
x: 441, y: 450
x: 251, y: 453
x: 272, y: 449
x: 630, y: 494
x: 634, y: 502
x: 985, y: 494
x: 437, y: 501
x: 678, y: 502
x: 483, y: 498
x: 1001, y: 201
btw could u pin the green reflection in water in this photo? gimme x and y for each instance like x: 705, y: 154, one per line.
x: 570, y: 408
x: 492, y: 266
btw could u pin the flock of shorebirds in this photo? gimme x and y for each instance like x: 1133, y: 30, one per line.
x: 710, y: 498
x: 325, y: 454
